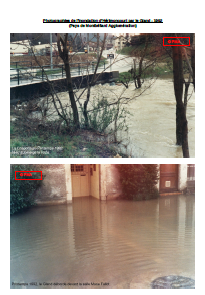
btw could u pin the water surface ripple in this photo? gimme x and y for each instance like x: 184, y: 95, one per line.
x: 127, y: 244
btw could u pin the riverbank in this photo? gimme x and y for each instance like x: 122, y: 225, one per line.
x: 162, y: 71
x: 45, y: 142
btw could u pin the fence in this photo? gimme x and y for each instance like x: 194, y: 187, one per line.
x: 27, y: 75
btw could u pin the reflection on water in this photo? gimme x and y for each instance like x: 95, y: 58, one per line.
x: 126, y: 244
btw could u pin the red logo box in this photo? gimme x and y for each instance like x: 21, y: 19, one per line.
x: 176, y: 41
x: 26, y: 173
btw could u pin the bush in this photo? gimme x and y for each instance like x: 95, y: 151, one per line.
x: 138, y: 181
x: 104, y: 115
x: 22, y: 192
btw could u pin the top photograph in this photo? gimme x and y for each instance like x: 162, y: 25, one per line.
x: 102, y: 95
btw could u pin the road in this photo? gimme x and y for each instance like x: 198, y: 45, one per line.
x: 120, y: 63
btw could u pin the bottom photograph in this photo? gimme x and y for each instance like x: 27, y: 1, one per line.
x: 102, y: 226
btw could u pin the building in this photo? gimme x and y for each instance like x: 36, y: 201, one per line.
x: 20, y: 47
x: 119, y: 42
x: 62, y: 183
x: 25, y: 47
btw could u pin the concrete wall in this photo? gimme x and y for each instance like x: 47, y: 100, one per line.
x: 110, y: 182
x: 94, y: 182
x: 104, y: 183
x: 157, y: 184
x: 54, y: 190
x: 182, y: 181
x: 68, y: 183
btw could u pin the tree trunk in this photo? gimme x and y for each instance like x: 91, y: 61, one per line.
x: 85, y: 114
x: 193, y: 59
x: 63, y: 52
x: 90, y: 84
x: 71, y: 95
x: 138, y: 77
x: 181, y: 121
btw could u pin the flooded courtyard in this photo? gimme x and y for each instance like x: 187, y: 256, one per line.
x: 91, y: 244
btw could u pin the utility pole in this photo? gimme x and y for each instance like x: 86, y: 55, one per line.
x: 88, y: 42
x: 97, y: 46
x: 51, y: 53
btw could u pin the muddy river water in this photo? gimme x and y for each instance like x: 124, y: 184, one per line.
x: 152, y: 120
x: 122, y: 243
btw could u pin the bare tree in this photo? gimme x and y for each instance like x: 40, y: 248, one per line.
x: 63, y: 49
x: 90, y: 84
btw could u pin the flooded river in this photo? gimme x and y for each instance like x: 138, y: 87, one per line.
x: 152, y: 126
x: 152, y: 120
x: 122, y: 244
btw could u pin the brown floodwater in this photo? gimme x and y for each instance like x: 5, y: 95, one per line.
x: 152, y: 120
x: 122, y: 243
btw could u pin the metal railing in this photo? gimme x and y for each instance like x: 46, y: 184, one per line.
x: 28, y: 75
x: 16, y: 63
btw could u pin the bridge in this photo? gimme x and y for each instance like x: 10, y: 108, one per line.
x: 32, y: 82
x: 21, y: 75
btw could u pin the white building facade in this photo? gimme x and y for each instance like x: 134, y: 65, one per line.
x: 64, y: 182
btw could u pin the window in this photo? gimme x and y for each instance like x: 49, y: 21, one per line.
x: 77, y: 168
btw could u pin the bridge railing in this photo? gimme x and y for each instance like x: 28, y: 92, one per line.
x: 27, y: 75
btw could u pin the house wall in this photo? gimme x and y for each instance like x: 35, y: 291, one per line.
x: 157, y: 185
x: 110, y: 182
x: 68, y: 182
x: 94, y: 182
x: 182, y: 177
x: 182, y: 181
x: 54, y: 189
x: 119, y: 43
x: 104, y: 183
